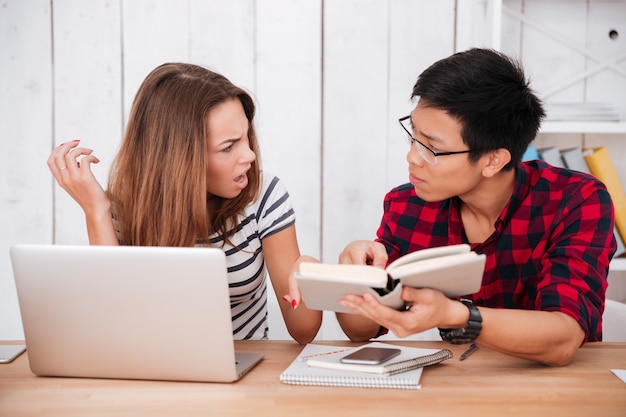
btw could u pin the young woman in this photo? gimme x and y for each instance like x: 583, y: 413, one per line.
x: 188, y: 174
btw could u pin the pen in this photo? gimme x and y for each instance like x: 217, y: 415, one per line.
x: 304, y: 358
x: 473, y: 348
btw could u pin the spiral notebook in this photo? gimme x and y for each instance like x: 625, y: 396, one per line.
x: 320, y: 365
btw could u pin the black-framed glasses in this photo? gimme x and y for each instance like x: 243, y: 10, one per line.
x: 425, y: 152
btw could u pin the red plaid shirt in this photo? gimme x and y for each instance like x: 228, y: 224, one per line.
x: 550, y: 250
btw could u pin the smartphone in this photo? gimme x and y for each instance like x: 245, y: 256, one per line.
x: 10, y: 352
x: 371, y: 355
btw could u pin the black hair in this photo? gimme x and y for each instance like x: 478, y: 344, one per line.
x: 487, y: 92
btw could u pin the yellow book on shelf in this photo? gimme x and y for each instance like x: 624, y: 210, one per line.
x: 601, y: 166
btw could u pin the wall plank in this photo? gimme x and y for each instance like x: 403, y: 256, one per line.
x: 356, y: 38
x: 222, y: 38
x: 412, y: 48
x: 288, y: 79
x: 87, y: 99
x: 289, y: 76
x: 26, y: 200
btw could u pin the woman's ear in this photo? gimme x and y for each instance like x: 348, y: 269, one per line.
x: 496, y: 160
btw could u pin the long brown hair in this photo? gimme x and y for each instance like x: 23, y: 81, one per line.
x: 157, y: 183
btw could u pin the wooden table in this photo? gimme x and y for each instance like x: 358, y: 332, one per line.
x: 486, y: 384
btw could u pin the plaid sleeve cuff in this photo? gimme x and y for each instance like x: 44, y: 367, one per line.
x: 381, y: 332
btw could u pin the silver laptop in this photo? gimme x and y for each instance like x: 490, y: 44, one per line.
x: 127, y: 312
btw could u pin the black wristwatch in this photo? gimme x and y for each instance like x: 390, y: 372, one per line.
x: 469, y: 333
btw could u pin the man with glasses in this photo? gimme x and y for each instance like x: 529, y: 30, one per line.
x: 547, y: 232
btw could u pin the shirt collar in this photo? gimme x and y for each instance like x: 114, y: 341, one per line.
x: 520, y: 192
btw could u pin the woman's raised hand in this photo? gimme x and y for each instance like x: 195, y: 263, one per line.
x: 71, y: 167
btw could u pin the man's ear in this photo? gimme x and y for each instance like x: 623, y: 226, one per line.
x: 496, y: 160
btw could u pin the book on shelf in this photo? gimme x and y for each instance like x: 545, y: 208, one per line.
x: 551, y: 155
x: 530, y: 154
x: 320, y: 365
x: 454, y: 270
x: 574, y: 159
x: 601, y: 166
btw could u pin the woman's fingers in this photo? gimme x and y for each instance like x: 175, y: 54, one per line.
x: 71, y: 165
x: 57, y: 162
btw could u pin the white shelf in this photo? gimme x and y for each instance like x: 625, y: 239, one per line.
x: 583, y: 127
x: 618, y: 264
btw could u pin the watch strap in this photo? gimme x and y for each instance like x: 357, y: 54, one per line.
x: 470, y: 332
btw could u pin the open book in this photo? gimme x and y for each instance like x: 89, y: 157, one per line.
x: 454, y: 270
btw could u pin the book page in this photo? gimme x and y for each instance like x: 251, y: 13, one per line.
x: 428, y: 253
x: 454, y: 275
x: 350, y: 274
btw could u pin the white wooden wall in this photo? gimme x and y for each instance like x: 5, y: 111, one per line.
x: 331, y: 78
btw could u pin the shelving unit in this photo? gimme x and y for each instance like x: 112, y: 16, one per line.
x: 495, y: 11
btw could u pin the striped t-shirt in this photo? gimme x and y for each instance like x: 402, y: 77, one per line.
x: 270, y: 213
